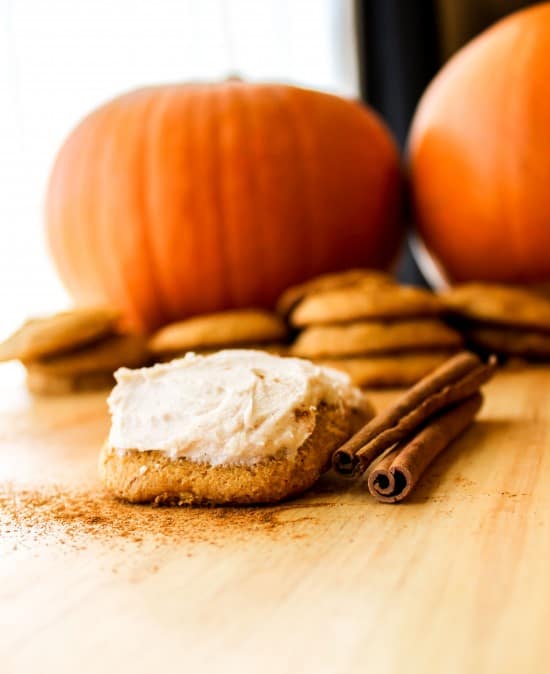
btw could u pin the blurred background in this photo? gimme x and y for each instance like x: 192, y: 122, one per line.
x: 60, y: 59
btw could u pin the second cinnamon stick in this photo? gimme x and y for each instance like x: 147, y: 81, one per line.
x: 396, y: 474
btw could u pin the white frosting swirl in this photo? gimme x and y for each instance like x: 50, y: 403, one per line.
x: 234, y: 406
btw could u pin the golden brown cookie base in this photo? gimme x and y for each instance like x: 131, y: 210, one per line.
x: 371, y: 337
x: 388, y: 371
x: 41, y: 383
x: 153, y: 477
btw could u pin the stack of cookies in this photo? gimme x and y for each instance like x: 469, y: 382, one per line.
x: 505, y: 320
x: 238, y: 329
x: 74, y: 350
x: 362, y: 322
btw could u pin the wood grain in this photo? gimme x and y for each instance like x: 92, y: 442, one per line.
x: 456, y: 580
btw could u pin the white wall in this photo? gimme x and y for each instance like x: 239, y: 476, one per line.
x: 61, y: 58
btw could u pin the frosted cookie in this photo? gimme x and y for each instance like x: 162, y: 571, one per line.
x: 382, y: 301
x: 504, y: 305
x: 388, y: 371
x: 226, y: 328
x: 353, y: 339
x: 39, y: 337
x: 344, y: 279
x: 238, y: 426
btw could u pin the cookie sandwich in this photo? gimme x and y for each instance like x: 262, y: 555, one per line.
x: 76, y: 350
x: 506, y: 320
x: 236, y: 426
x: 378, y: 332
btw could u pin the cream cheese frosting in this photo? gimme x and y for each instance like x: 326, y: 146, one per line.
x: 233, y: 407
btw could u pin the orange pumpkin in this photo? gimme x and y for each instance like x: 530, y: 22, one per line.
x: 479, y: 154
x: 176, y: 200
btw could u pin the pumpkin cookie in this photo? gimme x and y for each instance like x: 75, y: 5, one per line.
x: 388, y: 371
x: 510, y: 341
x: 154, y: 477
x: 89, y: 368
x: 107, y: 355
x: 504, y: 305
x: 345, y: 279
x: 382, y: 301
x: 39, y: 337
x: 227, y: 328
x: 265, y: 431
x: 374, y: 337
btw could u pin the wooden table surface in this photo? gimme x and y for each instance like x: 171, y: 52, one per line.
x: 456, y: 580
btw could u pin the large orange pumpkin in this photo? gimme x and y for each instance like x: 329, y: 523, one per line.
x: 480, y: 155
x: 176, y: 200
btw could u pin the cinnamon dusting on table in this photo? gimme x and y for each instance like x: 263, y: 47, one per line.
x: 58, y: 515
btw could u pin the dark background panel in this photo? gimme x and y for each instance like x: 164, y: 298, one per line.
x: 402, y: 44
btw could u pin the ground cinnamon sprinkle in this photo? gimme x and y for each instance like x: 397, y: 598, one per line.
x: 60, y: 515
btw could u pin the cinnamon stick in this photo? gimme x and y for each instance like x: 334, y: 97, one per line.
x: 457, y: 379
x: 396, y: 474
